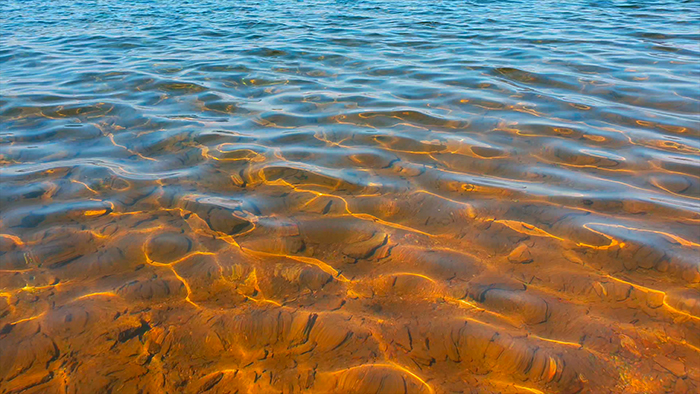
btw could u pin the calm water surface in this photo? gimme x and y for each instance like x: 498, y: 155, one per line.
x: 350, y: 197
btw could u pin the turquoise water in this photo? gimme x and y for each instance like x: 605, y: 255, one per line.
x: 350, y: 196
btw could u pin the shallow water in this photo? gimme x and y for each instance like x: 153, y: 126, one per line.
x: 350, y: 197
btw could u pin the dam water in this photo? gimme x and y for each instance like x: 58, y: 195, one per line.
x: 326, y: 196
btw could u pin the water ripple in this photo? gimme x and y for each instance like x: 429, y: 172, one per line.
x: 350, y: 196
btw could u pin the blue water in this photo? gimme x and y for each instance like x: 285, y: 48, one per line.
x: 350, y: 196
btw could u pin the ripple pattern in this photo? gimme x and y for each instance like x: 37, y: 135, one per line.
x: 337, y: 196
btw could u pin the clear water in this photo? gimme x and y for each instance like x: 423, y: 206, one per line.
x: 350, y: 196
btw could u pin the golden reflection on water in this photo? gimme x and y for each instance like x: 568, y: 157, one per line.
x: 332, y: 222
x: 341, y: 288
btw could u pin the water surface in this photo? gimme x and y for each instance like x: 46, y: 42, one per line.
x: 350, y: 197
